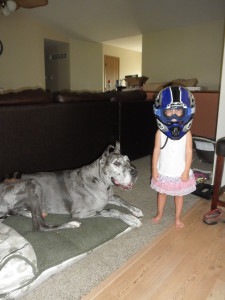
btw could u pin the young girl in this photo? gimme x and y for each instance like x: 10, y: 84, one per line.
x: 172, y: 156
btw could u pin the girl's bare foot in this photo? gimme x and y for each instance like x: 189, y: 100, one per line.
x: 179, y: 224
x: 156, y: 219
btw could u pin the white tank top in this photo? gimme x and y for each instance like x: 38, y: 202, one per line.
x: 171, y: 160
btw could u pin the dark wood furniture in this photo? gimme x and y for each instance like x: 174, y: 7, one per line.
x: 220, y: 152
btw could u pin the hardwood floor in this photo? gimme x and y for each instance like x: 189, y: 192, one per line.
x: 184, y: 263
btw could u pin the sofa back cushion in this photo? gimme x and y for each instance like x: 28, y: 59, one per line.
x: 118, y: 96
x: 127, y: 96
x: 35, y: 96
x: 67, y: 96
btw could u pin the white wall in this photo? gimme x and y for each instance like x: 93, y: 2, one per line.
x: 220, y: 124
x: 190, y: 52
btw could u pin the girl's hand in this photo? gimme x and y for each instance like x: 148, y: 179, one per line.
x: 155, y: 174
x: 155, y: 156
x: 185, y: 175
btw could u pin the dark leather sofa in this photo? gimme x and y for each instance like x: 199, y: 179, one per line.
x: 40, y: 131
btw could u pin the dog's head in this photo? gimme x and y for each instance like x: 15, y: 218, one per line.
x: 116, y: 168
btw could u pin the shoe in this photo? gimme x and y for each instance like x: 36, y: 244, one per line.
x: 213, y: 217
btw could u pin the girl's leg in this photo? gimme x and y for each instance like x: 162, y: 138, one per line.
x: 161, y: 201
x: 178, y: 209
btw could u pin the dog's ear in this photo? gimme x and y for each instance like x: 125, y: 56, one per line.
x: 106, y: 153
x: 117, y: 148
x: 109, y: 149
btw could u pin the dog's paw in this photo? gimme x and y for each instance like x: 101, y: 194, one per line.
x: 137, y: 212
x: 132, y: 221
x: 74, y: 224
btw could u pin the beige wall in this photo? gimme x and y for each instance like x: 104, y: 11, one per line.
x: 21, y: 56
x: 22, y: 60
x: 130, y: 61
x: 86, y: 65
x: 190, y: 52
x: 178, y: 53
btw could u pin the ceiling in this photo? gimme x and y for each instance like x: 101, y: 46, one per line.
x: 122, y: 22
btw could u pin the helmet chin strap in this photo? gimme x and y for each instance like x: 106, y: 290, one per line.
x: 164, y: 143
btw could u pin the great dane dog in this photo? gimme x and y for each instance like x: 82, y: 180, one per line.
x: 82, y: 192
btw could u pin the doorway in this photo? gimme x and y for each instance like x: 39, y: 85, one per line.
x: 57, y: 65
x: 111, y: 71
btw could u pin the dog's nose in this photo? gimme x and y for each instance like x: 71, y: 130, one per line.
x: 134, y: 172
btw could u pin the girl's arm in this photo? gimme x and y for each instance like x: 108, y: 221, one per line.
x: 188, y: 156
x: 155, y: 155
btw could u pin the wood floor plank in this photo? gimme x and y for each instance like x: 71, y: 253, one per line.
x: 186, y: 263
x: 218, y: 291
x: 193, y: 280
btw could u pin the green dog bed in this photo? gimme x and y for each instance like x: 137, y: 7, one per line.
x: 58, y: 249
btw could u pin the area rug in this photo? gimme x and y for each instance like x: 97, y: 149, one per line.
x: 54, y: 250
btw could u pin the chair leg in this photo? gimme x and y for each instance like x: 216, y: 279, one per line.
x: 217, y: 183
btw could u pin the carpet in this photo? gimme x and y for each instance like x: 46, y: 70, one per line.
x: 80, y: 277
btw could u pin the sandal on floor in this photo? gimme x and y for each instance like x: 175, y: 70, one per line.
x: 213, y: 217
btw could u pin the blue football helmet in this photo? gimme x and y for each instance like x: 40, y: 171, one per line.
x: 174, y: 110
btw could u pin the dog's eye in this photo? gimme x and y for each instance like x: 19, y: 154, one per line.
x: 116, y: 163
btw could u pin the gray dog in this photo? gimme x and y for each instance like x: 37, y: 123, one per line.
x: 82, y: 193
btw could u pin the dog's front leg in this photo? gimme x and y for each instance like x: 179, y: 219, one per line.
x: 116, y: 200
x: 126, y: 218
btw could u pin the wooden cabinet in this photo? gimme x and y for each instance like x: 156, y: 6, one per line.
x: 205, y: 119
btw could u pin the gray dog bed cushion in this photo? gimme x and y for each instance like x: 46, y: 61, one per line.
x: 52, y: 251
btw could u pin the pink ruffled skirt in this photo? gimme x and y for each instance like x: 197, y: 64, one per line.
x: 174, y: 186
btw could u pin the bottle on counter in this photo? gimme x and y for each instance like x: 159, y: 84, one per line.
x: 109, y: 85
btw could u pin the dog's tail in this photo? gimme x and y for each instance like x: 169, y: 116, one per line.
x: 43, y: 226
x: 39, y: 223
